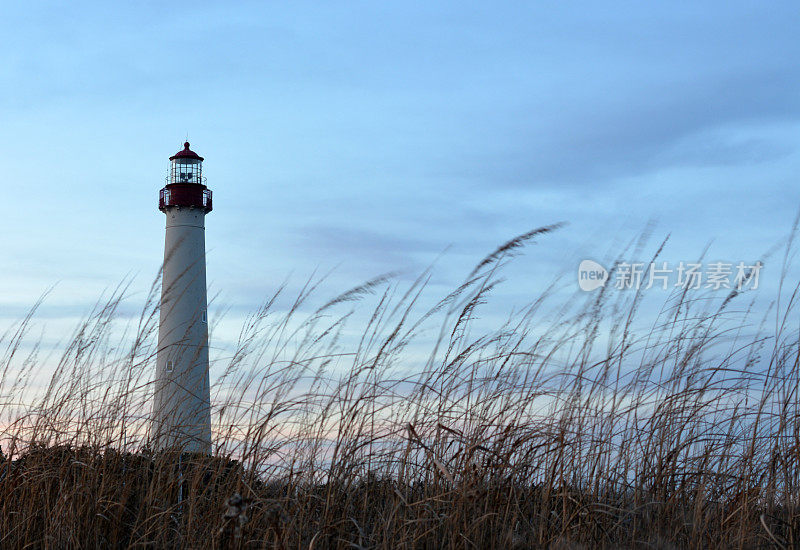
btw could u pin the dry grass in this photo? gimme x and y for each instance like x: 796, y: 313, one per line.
x: 567, y: 426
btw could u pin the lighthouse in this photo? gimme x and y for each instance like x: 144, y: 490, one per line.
x: 181, y: 405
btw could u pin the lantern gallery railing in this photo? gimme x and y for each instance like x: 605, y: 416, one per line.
x: 193, y: 196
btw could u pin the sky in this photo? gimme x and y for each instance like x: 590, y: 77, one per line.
x: 365, y: 138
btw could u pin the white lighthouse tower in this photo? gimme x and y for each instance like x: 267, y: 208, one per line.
x: 181, y: 408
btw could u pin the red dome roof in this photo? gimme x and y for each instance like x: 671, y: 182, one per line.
x: 186, y: 154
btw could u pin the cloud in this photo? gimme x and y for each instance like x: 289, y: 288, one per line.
x: 386, y: 249
x: 666, y: 126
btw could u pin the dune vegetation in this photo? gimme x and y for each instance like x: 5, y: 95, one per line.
x: 585, y: 422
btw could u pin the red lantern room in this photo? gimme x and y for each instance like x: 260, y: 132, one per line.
x: 185, y: 183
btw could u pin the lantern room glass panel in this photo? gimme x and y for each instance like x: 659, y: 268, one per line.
x: 186, y: 171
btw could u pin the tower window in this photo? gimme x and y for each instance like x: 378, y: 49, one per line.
x: 170, y: 366
x: 205, y: 316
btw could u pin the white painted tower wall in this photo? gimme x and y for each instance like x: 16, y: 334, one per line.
x: 182, y: 412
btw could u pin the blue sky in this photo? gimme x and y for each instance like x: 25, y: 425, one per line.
x: 370, y: 137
